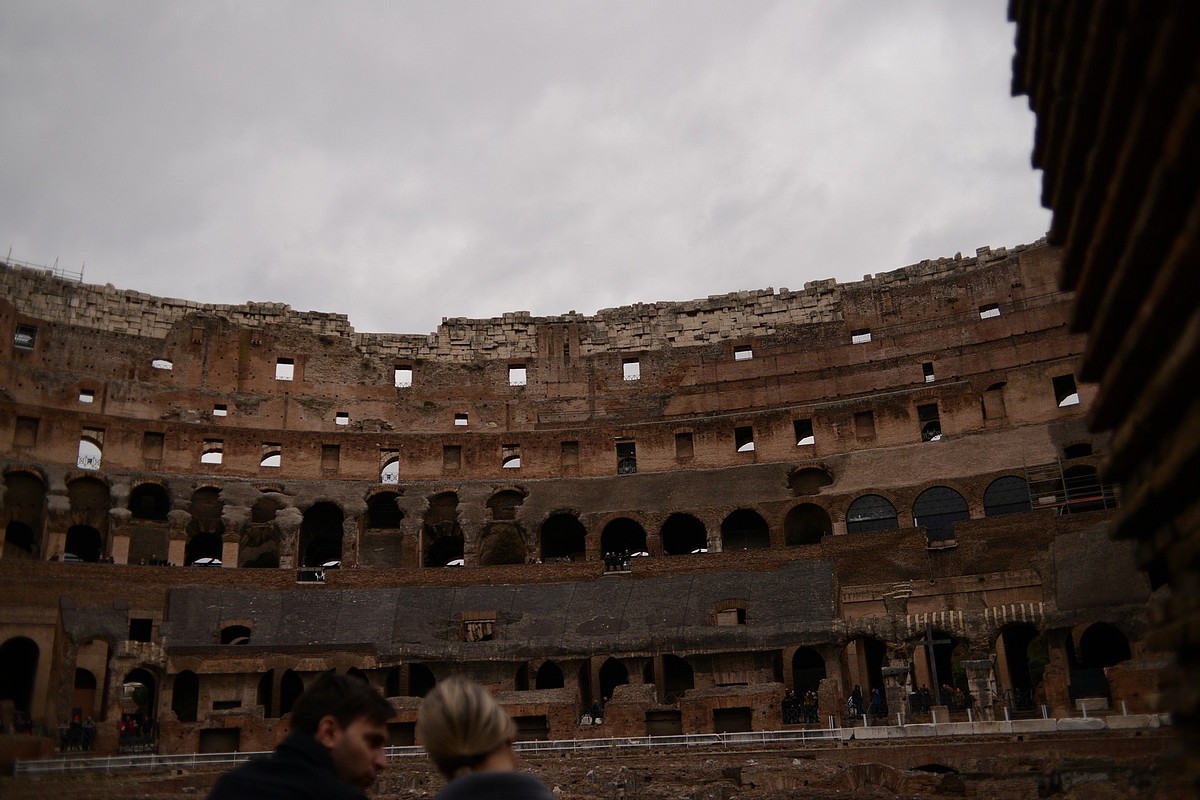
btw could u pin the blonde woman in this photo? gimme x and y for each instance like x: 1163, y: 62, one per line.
x: 469, y: 737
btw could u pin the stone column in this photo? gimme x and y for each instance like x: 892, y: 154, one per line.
x: 981, y: 680
x: 896, y: 690
x: 119, y: 534
x: 58, y: 519
x: 177, y: 523
x: 288, y: 520
x: 236, y: 520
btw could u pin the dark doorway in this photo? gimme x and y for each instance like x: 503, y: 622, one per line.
x: 683, y: 534
x: 18, y: 671
x: 563, y: 538
x: 806, y: 524
x: 744, y: 530
x: 612, y: 674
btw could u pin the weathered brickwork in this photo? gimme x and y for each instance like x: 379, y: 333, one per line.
x: 668, y: 515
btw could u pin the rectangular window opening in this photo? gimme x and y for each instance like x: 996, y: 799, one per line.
x: 389, y: 463
x: 993, y: 402
x: 927, y: 371
x: 516, y: 375
x: 213, y: 451
x: 403, y: 376
x: 626, y: 457
x: 632, y: 369
x: 220, y: 410
x: 1065, y: 391
x: 91, y: 444
x: 141, y: 629
x: 24, y: 337
x: 478, y: 626
x: 864, y: 424
x: 569, y: 454
x: 861, y: 336
x: 272, y: 455
x: 510, y: 457
x: 342, y: 418
x: 451, y: 457
x: 152, y: 446
x: 931, y: 424
x: 744, y: 439
x: 743, y: 353
x: 803, y: 430
x: 285, y: 369
x: 87, y: 396
x: 988, y: 311
x: 331, y: 456
x: 460, y: 420
x: 685, y: 446
x: 26, y: 432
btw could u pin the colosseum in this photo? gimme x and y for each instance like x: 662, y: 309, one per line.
x: 668, y: 518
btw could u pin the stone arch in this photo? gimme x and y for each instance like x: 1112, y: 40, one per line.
x: 937, y: 509
x: 18, y: 672
x: 421, y: 680
x: 1101, y: 645
x: 623, y: 535
x: 443, y: 533
x: 149, y: 501
x: 804, y: 481
x: 206, y: 528
x: 84, y: 542
x: 808, y: 670
x: 613, y: 673
x: 143, y: 702
x: 744, y: 529
x: 682, y: 534
x: 89, y: 499
x: 185, y: 696
x: 502, y: 543
x: 1007, y: 494
x: 24, y: 513
x: 382, y: 511
x: 869, y: 513
x: 806, y: 524
x: 1024, y: 656
x: 259, y: 545
x: 678, y: 677
x: 563, y: 537
x: 321, y: 534
x: 549, y: 676
x: 504, y: 504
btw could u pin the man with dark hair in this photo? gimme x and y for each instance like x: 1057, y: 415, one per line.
x: 334, y: 751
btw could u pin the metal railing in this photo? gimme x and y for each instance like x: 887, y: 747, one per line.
x: 127, y: 763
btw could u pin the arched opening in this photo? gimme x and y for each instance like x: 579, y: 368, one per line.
x: 937, y: 667
x: 563, y: 538
x: 358, y: 675
x: 502, y: 543
x: 202, y: 546
x: 1103, y: 645
x: 443, y: 534
x: 504, y: 505
x: 683, y: 534
x: 1085, y: 492
x: 549, y: 676
x: 259, y: 547
x: 382, y: 511
x: 18, y: 671
x: 808, y: 481
x: 678, y: 677
x: 390, y: 473
x: 521, y: 677
x: 83, y: 695
x: 235, y: 634
x: 1006, y: 495
x: 871, y: 513
x: 623, y: 535
x: 321, y: 535
x: 24, y: 507
x: 264, y: 695
x: 936, y: 510
x: 290, y: 689
x: 18, y: 540
x: 864, y: 658
x: 139, y: 708
x: 744, y: 530
x: 612, y: 674
x: 185, y: 696
x: 149, y: 501
x: 83, y: 541
x: 806, y: 524
x: 1025, y: 658
x: 420, y: 680
x: 808, y: 670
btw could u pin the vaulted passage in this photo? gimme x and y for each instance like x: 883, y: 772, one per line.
x: 563, y: 537
x: 806, y: 524
x: 18, y: 671
x: 682, y: 534
x: 321, y: 535
x: 443, y: 534
x: 744, y: 530
x: 623, y: 535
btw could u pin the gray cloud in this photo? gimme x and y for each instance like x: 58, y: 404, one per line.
x: 401, y: 162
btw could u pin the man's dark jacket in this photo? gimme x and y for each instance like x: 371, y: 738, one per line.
x: 299, y: 769
x: 495, y: 786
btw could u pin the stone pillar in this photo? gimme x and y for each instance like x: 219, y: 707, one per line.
x: 236, y: 520
x: 897, y: 690
x: 177, y: 523
x: 288, y: 520
x: 119, y: 534
x: 58, y: 519
x: 981, y: 681
x: 1056, y: 680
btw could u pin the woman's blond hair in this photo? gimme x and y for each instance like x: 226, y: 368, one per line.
x: 460, y: 724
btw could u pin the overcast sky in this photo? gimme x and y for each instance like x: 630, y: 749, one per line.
x: 401, y: 162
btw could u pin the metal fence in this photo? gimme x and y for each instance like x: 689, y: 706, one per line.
x: 132, y: 763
